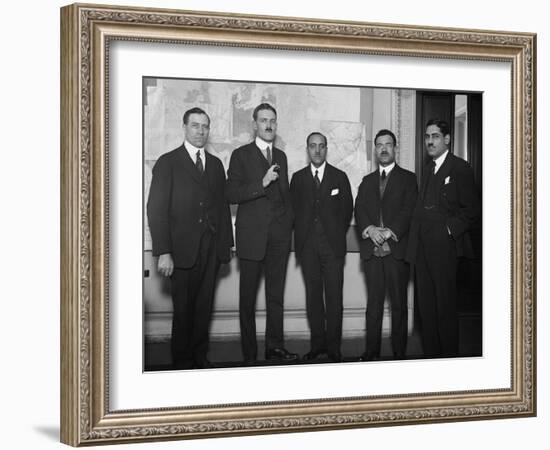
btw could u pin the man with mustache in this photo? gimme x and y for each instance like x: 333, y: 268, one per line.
x: 383, y: 210
x: 322, y: 201
x: 446, y: 210
x: 258, y: 183
x: 191, y: 231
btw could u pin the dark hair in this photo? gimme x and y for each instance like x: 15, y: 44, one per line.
x: 316, y: 133
x: 385, y: 132
x: 194, y: 110
x: 441, y: 124
x: 262, y: 107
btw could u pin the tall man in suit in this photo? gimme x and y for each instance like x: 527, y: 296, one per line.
x: 383, y: 210
x: 446, y: 209
x: 258, y: 183
x: 323, y: 205
x: 191, y: 231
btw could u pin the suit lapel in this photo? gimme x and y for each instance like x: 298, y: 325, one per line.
x: 210, y: 176
x: 261, y: 158
x: 326, y: 183
x: 188, y: 164
x: 309, y: 183
x: 375, y: 187
x: 426, y: 176
x: 443, y: 172
x: 390, y: 183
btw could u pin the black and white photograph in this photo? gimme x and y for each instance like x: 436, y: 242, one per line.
x: 280, y: 220
x: 288, y: 224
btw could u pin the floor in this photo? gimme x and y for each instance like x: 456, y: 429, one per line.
x: 228, y: 353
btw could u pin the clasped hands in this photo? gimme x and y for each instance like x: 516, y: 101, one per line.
x: 378, y: 235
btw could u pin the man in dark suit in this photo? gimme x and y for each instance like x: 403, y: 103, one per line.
x: 383, y: 210
x: 258, y: 183
x: 446, y: 209
x: 191, y: 230
x: 323, y: 205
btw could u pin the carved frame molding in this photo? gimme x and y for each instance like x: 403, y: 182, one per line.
x: 86, y: 32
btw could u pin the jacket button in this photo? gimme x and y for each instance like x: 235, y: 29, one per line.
x: 200, y: 220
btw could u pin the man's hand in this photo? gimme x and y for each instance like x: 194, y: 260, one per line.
x: 376, y: 234
x: 166, y: 265
x: 271, y: 175
x: 387, y: 234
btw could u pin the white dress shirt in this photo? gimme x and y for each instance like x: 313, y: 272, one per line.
x: 320, y: 169
x: 192, y: 150
x: 388, y: 168
x: 263, y: 146
x: 440, y: 160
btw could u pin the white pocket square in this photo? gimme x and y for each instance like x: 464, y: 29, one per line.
x: 447, y: 180
x: 334, y: 192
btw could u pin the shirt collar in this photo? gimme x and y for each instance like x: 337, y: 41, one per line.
x: 320, y: 169
x: 193, y: 150
x: 262, y: 145
x: 388, y: 168
x: 440, y: 160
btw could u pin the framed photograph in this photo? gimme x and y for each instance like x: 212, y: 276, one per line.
x: 164, y: 108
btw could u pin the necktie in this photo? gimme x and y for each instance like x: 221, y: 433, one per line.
x: 268, y: 154
x: 198, y: 163
x: 433, y: 166
x: 383, y: 181
x: 317, y: 180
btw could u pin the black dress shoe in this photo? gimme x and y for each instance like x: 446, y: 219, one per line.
x: 203, y: 364
x: 313, y: 354
x: 280, y: 354
x: 183, y: 365
x: 369, y: 356
x: 335, y: 357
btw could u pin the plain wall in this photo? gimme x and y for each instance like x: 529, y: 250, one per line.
x: 30, y: 225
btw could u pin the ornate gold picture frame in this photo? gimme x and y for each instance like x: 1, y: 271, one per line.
x: 87, y: 415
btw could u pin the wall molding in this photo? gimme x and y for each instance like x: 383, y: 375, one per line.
x: 225, y: 324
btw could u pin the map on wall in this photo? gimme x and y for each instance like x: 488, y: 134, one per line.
x: 301, y: 109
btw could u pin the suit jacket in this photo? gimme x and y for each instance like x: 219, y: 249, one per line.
x: 457, y: 202
x: 335, y: 208
x: 396, y: 205
x: 180, y: 199
x: 258, y: 206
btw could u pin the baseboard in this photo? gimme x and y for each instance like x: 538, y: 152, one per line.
x: 225, y: 324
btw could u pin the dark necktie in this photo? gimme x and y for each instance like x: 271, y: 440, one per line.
x: 198, y: 163
x: 383, y: 181
x: 317, y: 180
x: 268, y: 154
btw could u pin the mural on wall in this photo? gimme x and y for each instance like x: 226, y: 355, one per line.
x: 338, y: 112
